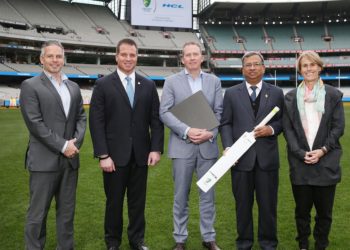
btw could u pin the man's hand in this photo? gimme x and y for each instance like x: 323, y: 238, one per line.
x: 313, y: 156
x: 71, y: 149
x: 107, y: 165
x: 153, y: 158
x: 198, y: 136
x: 263, y: 131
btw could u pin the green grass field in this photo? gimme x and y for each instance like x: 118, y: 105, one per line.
x: 90, y: 200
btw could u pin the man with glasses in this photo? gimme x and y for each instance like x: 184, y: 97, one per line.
x: 245, y: 105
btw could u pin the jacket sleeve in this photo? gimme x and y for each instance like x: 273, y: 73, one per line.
x: 97, y: 121
x: 80, y: 121
x: 227, y: 121
x: 156, y: 126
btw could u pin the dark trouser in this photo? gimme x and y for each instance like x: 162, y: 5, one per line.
x: 322, y: 198
x: 265, y: 185
x: 131, y: 179
x: 43, y: 187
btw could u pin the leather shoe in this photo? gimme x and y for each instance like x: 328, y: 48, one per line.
x: 113, y: 248
x: 140, y: 246
x: 211, y: 245
x: 179, y: 246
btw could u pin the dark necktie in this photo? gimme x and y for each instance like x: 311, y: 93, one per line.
x: 253, y: 95
x: 129, y: 90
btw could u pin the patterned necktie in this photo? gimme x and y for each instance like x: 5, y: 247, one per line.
x: 253, y: 95
x: 129, y: 90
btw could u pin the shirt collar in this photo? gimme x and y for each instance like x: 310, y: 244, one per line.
x: 259, y: 85
x: 122, y: 75
x: 64, y: 77
x: 188, y: 74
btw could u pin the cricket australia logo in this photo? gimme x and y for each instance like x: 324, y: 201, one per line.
x: 208, y: 180
x: 149, y: 6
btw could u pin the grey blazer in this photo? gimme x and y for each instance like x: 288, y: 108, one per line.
x: 176, y: 89
x: 238, y: 117
x: 327, y: 171
x: 49, y: 128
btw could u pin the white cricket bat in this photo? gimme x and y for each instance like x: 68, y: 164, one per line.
x: 231, y: 156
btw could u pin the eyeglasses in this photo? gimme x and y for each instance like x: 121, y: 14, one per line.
x: 255, y: 65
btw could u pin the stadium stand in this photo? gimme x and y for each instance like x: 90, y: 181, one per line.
x: 311, y: 35
x: 341, y: 35
x: 24, y: 67
x: 282, y: 37
x: 9, y: 13
x: 253, y: 37
x: 223, y: 37
x: 90, y: 33
x: 5, y: 68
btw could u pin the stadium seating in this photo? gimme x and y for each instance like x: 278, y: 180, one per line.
x: 341, y: 35
x: 281, y: 36
x: 222, y: 37
x: 278, y: 37
x: 253, y: 36
x: 9, y: 13
x: 32, y: 68
x: 312, y: 36
x: 81, y: 24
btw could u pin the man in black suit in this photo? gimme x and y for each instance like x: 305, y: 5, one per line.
x: 127, y: 136
x: 245, y: 105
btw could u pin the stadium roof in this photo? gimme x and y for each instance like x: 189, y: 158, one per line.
x: 243, y: 10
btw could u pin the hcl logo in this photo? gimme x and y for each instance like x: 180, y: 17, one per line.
x: 172, y: 6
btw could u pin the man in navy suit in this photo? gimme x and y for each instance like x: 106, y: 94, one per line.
x: 127, y: 136
x: 245, y: 105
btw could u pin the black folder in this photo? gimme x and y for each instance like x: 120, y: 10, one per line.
x: 196, y: 112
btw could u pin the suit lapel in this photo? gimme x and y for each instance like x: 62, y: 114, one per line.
x: 246, y: 99
x: 264, y: 99
x: 72, y: 95
x: 47, y: 83
x: 205, y: 86
x: 138, y: 88
x: 184, y: 84
x: 327, y: 101
x: 117, y: 83
x: 294, y: 114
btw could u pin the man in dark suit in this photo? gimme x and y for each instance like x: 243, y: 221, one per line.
x: 52, y: 108
x: 245, y: 105
x: 127, y: 136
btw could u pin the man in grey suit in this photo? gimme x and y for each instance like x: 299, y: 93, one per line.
x: 52, y: 108
x: 191, y: 149
x: 245, y: 105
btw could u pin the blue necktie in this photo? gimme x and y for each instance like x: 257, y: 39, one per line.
x: 253, y: 95
x: 129, y: 90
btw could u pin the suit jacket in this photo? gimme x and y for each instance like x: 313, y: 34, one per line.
x: 117, y: 129
x: 327, y: 170
x: 176, y: 89
x: 49, y: 128
x: 238, y: 117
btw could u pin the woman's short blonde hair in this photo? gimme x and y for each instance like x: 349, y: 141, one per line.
x: 312, y: 56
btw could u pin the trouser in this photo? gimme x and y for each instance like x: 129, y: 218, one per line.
x: 307, y: 196
x: 43, y: 187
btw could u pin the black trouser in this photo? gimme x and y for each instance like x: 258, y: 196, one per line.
x: 131, y: 179
x: 265, y: 186
x: 322, y: 197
